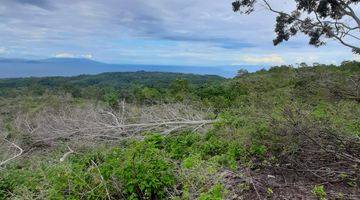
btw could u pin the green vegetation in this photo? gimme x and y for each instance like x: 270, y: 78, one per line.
x: 273, y: 134
x: 319, y: 192
x: 127, y: 85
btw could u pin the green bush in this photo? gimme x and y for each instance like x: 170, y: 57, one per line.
x: 143, y: 169
x: 11, y: 179
x: 319, y: 192
x: 146, y: 172
x: 111, y: 97
x: 215, y: 193
x: 182, y: 145
x: 81, y: 176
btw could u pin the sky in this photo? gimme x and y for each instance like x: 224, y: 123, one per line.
x: 165, y: 32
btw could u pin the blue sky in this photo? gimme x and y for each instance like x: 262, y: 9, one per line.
x: 167, y: 32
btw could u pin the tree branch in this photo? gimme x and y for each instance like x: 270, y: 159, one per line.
x: 63, y: 158
x: 351, y: 13
x: 15, y: 156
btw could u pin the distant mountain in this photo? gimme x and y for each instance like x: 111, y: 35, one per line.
x: 12, y: 68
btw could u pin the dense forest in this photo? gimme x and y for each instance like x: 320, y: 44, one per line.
x: 93, y: 86
x: 282, y: 133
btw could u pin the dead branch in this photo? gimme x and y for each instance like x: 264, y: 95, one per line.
x: 2, y: 163
x: 250, y: 179
x: 321, y: 151
x: 63, y: 158
x: 102, y: 179
x: 93, y: 124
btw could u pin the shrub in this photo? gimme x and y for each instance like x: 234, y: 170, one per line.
x: 146, y: 172
x: 181, y: 146
x: 111, y: 97
x: 319, y: 192
x: 82, y: 176
x: 215, y: 193
x: 192, y: 161
x: 155, y: 140
x: 195, y: 175
x: 212, y: 146
x: 12, y: 178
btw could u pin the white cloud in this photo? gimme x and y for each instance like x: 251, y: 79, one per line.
x: 263, y: 59
x: 64, y: 55
x: 309, y: 59
x: 72, y: 55
x: 356, y: 57
x: 88, y: 56
x: 2, y: 50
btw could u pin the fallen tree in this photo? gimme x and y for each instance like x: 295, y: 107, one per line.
x: 92, y: 124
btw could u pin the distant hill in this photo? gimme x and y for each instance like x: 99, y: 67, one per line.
x: 121, y: 80
x: 13, y: 68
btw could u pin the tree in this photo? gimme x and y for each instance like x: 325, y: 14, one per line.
x: 318, y: 19
x: 111, y: 97
x: 179, y: 88
x: 241, y: 72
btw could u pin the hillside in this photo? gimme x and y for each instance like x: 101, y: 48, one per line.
x: 282, y: 133
x: 116, y: 80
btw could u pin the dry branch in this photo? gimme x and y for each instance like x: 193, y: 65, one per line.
x: 102, y: 179
x: 91, y: 124
x: 2, y: 163
x: 321, y: 151
x: 63, y: 158
x: 251, y: 181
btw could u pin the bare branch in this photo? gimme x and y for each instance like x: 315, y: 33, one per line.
x: 15, y: 156
x: 91, y: 124
x: 63, y: 158
x: 102, y: 179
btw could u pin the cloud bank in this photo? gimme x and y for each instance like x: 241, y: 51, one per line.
x: 272, y: 58
x: 2, y: 50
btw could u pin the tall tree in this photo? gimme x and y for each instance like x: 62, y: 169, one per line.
x: 318, y: 19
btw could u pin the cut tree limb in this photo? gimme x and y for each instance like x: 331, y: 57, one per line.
x: 204, y: 122
x: 15, y: 156
x: 63, y: 158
